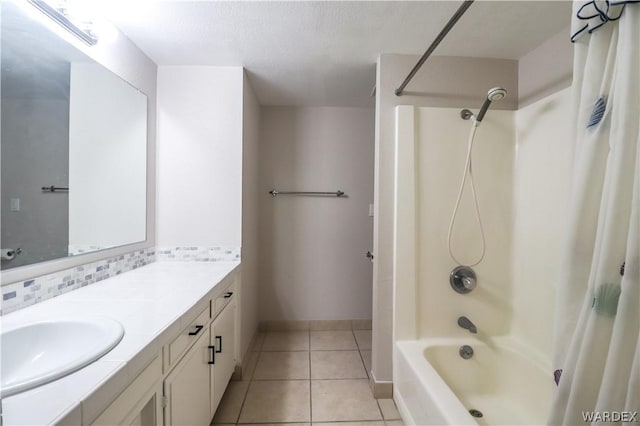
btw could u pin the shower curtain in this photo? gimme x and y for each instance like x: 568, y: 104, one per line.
x: 597, y: 345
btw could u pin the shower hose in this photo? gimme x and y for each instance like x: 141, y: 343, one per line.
x: 468, y: 174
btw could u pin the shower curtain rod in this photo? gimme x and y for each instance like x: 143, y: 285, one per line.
x: 456, y: 16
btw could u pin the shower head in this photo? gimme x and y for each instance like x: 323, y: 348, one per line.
x: 494, y: 94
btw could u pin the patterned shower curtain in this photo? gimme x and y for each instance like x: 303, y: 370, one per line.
x: 597, y: 339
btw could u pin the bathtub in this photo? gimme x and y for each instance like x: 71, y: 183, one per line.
x: 434, y: 385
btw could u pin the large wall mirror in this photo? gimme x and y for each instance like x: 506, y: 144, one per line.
x: 73, y: 146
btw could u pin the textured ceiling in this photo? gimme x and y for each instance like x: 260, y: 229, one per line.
x: 324, y: 52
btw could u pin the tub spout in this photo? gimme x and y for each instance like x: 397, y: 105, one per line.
x: 466, y: 323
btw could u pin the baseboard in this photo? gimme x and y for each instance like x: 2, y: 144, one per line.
x: 315, y: 325
x: 237, y: 373
x: 380, y: 389
x: 243, y: 365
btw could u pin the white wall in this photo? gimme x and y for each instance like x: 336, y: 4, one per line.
x: 545, y: 70
x: 541, y: 192
x: 312, y: 249
x: 199, y: 156
x: 208, y: 123
x: 250, y: 212
x: 442, y: 82
x: 107, y: 156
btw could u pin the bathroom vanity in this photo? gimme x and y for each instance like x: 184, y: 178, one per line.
x: 178, y: 353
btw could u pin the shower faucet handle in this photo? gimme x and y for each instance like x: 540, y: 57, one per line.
x: 469, y: 283
x: 463, y: 279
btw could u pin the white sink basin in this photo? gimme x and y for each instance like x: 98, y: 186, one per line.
x: 37, y: 353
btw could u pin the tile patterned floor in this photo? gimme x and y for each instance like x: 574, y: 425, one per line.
x: 304, y: 378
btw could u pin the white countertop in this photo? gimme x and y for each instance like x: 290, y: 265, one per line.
x: 153, y: 303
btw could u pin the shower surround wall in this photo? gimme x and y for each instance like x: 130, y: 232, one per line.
x: 522, y: 168
x: 440, y: 148
x: 442, y: 82
x: 540, y: 195
x: 522, y: 173
x: 312, y: 249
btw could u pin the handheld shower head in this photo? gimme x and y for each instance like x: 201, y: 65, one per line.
x: 494, y: 94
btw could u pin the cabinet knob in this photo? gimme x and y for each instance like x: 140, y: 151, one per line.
x: 219, y: 339
x: 228, y: 294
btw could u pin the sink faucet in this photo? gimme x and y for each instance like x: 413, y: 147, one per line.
x: 466, y: 323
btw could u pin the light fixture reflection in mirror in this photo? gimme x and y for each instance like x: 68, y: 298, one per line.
x: 85, y: 19
x: 72, y: 17
x: 69, y: 123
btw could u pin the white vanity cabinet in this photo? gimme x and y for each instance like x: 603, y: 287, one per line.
x: 186, y: 388
x: 190, y: 378
x: 223, y: 342
x: 199, y: 372
x: 140, y: 403
x: 159, y: 374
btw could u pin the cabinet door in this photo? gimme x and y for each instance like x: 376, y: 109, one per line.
x: 223, y: 338
x: 187, y: 387
x: 139, y: 402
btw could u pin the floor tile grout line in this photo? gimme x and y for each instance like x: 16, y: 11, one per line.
x: 310, y: 386
x: 244, y: 399
x: 360, y: 353
x: 353, y: 333
x: 380, y: 409
x: 364, y: 364
x: 253, y: 373
x: 309, y: 350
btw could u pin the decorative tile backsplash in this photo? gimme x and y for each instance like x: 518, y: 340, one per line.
x: 198, y: 254
x: 29, y: 292
x: 25, y: 293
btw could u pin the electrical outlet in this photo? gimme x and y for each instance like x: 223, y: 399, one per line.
x: 15, y: 204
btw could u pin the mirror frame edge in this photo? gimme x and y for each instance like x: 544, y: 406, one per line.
x: 21, y: 273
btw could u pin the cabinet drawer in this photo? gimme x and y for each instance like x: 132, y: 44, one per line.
x: 221, y: 301
x: 188, y: 336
